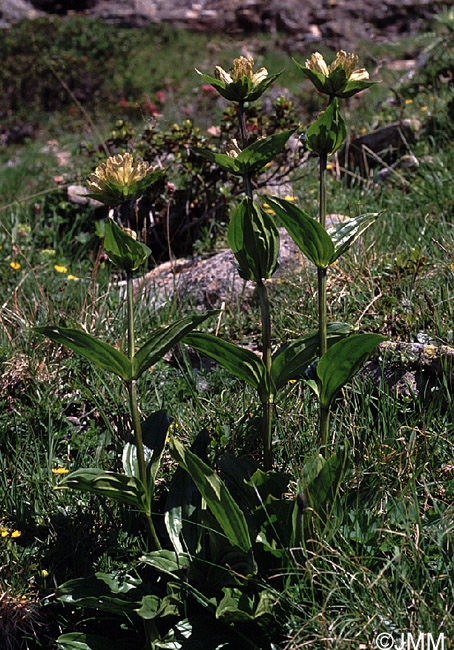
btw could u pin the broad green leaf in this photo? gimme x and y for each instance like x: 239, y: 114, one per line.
x: 338, y: 365
x: 254, y: 240
x: 154, y: 433
x: 328, y: 133
x: 181, y: 507
x: 345, y: 233
x: 293, y: 359
x: 82, y: 641
x: 243, y: 363
x: 354, y: 87
x: 164, y: 339
x: 239, y: 606
x: 218, y: 498
x: 254, y: 157
x: 118, y: 487
x: 324, y: 486
x: 225, y: 162
x: 102, y: 354
x: 119, y: 595
x: 168, y: 562
x: 203, y: 633
x: 122, y: 249
x: 306, y: 232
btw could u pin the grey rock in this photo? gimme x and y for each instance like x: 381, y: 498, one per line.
x: 210, y: 282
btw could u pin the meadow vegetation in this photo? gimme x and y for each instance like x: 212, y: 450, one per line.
x: 296, y: 556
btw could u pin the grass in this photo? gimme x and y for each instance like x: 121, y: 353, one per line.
x: 385, y: 562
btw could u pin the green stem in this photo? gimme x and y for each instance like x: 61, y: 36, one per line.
x: 136, y: 425
x: 267, y: 418
x: 322, y: 301
x: 244, y: 144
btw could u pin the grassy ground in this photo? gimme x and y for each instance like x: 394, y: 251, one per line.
x: 385, y: 563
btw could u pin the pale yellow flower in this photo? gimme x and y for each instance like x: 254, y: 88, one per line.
x: 232, y: 149
x: 241, y: 83
x: 326, y: 78
x: 318, y: 64
x: 120, y: 179
x: 72, y: 277
x: 60, y: 269
x: 242, y: 67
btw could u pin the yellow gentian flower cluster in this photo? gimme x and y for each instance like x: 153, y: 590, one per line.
x: 120, y: 179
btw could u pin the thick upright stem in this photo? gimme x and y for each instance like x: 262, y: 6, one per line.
x: 322, y: 300
x: 137, y: 427
x: 244, y: 143
x: 267, y: 418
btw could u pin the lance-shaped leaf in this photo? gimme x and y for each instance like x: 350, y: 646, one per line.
x: 122, y: 249
x: 219, y: 500
x: 293, y: 359
x: 118, y: 487
x: 82, y: 641
x: 254, y: 240
x: 183, y: 499
x: 243, y: 363
x: 164, y: 339
x: 254, y: 157
x: 328, y: 133
x: 102, y: 354
x: 345, y: 233
x: 338, y: 365
x: 223, y: 160
x: 307, y: 233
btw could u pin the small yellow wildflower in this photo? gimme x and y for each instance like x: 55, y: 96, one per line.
x: 329, y: 166
x: 432, y: 98
x: 424, y: 108
x: 292, y: 381
x: 14, y: 265
x: 60, y: 269
x: 72, y: 277
x: 290, y: 198
x: 409, y: 101
x: 4, y: 532
x: 44, y: 573
x: 60, y: 470
x: 16, y: 533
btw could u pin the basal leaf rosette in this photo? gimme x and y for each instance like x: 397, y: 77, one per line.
x: 121, y: 179
x: 328, y: 133
x: 339, y: 79
x: 242, y: 84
